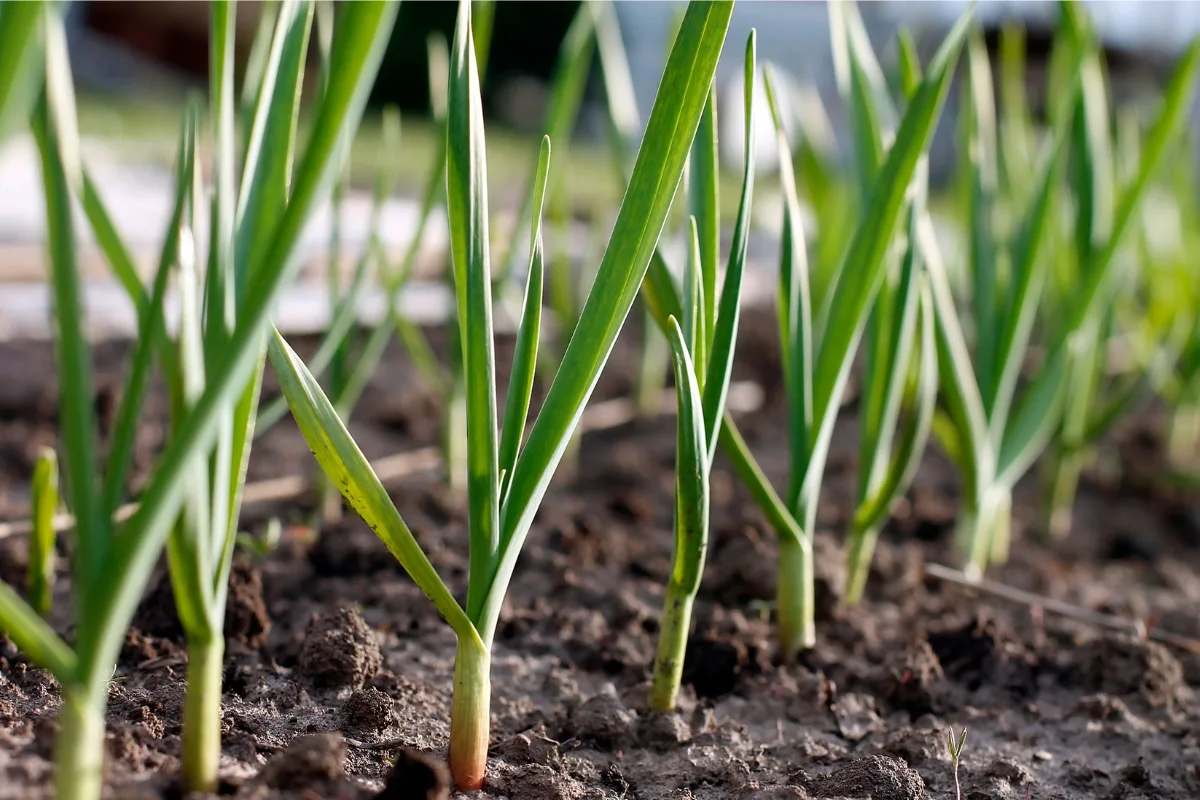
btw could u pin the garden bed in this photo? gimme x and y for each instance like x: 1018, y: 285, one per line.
x: 336, y: 660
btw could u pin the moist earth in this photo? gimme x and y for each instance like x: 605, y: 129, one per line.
x: 338, y: 669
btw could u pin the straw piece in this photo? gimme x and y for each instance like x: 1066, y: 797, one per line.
x: 1135, y: 627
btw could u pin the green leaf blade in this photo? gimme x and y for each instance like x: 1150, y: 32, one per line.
x: 266, y: 173
x: 794, y: 302
x: 350, y: 471
x: 20, y: 63
x: 466, y: 192
x: 58, y: 145
x: 719, y: 369
x: 691, y: 470
x: 34, y: 637
x: 44, y: 496
x: 704, y: 203
x: 520, y: 382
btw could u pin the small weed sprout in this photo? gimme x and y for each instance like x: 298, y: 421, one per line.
x: 954, y: 747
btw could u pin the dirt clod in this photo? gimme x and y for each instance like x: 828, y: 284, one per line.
x: 367, y: 710
x: 604, y: 722
x: 416, y: 776
x: 340, y: 650
x: 856, y: 716
x: 1123, y: 666
x: 664, y: 731
x: 713, y: 665
x: 1015, y: 775
x: 917, y: 684
x: 309, y: 760
x: 538, y: 782
x: 530, y: 747
x: 877, y: 777
x: 246, y: 617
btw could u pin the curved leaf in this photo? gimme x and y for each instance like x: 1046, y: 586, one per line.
x: 719, y: 360
x: 350, y: 471
x: 520, y: 380
x: 466, y: 195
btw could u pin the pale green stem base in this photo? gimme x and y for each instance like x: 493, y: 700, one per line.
x: 202, y: 716
x: 795, y: 600
x: 672, y: 644
x: 973, y: 539
x: 1183, y: 439
x: 985, y: 531
x: 79, y: 748
x: 858, y: 564
x: 470, y: 716
x: 1001, y: 544
x: 1062, y: 485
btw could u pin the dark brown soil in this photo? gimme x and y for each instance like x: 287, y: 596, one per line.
x: 338, y: 675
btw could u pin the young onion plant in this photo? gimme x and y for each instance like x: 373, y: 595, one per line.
x: 1167, y: 319
x: 506, y: 481
x: 1137, y: 336
x: 991, y: 434
x: 192, y: 495
x: 899, y: 373
x: 819, y: 349
x: 703, y: 351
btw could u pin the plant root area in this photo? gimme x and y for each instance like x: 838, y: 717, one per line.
x: 338, y: 670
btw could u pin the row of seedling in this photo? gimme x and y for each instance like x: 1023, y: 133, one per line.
x: 995, y: 352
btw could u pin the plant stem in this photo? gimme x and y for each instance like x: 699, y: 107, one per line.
x: 985, y: 530
x: 971, y: 539
x: 672, y: 644
x: 858, y: 564
x: 202, y: 715
x: 1060, y: 499
x: 794, y: 598
x: 1001, y: 526
x: 470, y: 715
x: 79, y: 748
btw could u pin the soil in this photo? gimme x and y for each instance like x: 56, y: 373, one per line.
x: 338, y: 672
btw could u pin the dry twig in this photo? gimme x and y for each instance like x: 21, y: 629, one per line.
x: 1135, y: 627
